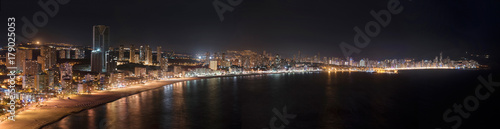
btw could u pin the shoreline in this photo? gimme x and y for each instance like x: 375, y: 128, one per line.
x: 55, y: 109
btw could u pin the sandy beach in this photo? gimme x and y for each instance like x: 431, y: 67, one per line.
x: 56, y: 109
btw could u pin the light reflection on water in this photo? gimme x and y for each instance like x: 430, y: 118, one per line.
x: 320, y: 100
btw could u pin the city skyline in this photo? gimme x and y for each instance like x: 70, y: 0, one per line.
x: 265, y: 64
x: 156, y: 27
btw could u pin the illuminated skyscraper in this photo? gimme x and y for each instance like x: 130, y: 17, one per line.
x: 31, y: 67
x: 21, y: 56
x: 66, y: 71
x: 164, y: 64
x: 441, y: 57
x: 132, y: 54
x: 62, y: 54
x: 47, y: 57
x: 158, y: 54
x: 149, y: 56
x: 68, y: 53
x: 213, y: 64
x: 41, y: 81
x: 100, y: 46
x: 142, y: 53
x: 112, y: 58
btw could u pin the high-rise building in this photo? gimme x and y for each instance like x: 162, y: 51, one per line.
x: 68, y: 53
x: 47, y: 57
x: 121, y: 52
x: 277, y: 61
x: 51, y: 78
x: 66, y: 71
x: 164, y: 64
x: 149, y: 56
x: 362, y: 63
x: 28, y: 81
x: 100, y: 46
x: 142, y: 53
x: 441, y: 57
x: 136, y: 58
x: 158, y: 54
x: 132, y: 54
x: 213, y: 64
x: 62, y: 54
x: 112, y: 59
x: 41, y: 81
x: 31, y: 67
x: 21, y: 56
x: 79, y: 53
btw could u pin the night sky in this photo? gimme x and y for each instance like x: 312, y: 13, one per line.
x: 422, y: 30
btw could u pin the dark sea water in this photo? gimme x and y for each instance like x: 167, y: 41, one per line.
x: 408, y: 100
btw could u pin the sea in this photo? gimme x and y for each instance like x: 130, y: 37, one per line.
x: 413, y: 99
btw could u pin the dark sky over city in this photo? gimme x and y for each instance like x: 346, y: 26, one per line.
x: 421, y: 30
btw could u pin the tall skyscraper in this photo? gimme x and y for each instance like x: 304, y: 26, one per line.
x: 142, y: 55
x: 62, y: 54
x: 121, y: 55
x: 66, y: 71
x: 440, y: 57
x: 41, y: 81
x: 132, y: 54
x: 68, y: 53
x: 158, y: 54
x: 31, y: 67
x: 66, y: 75
x: 149, y: 56
x: 100, y: 46
x: 112, y: 59
x: 47, y: 57
x: 21, y: 56
x: 164, y: 64
x: 79, y: 53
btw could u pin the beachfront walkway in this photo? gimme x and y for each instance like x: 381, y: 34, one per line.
x: 55, y: 108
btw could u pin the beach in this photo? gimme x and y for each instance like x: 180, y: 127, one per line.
x: 57, y: 108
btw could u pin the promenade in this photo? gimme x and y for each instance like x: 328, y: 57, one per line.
x: 55, y: 109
